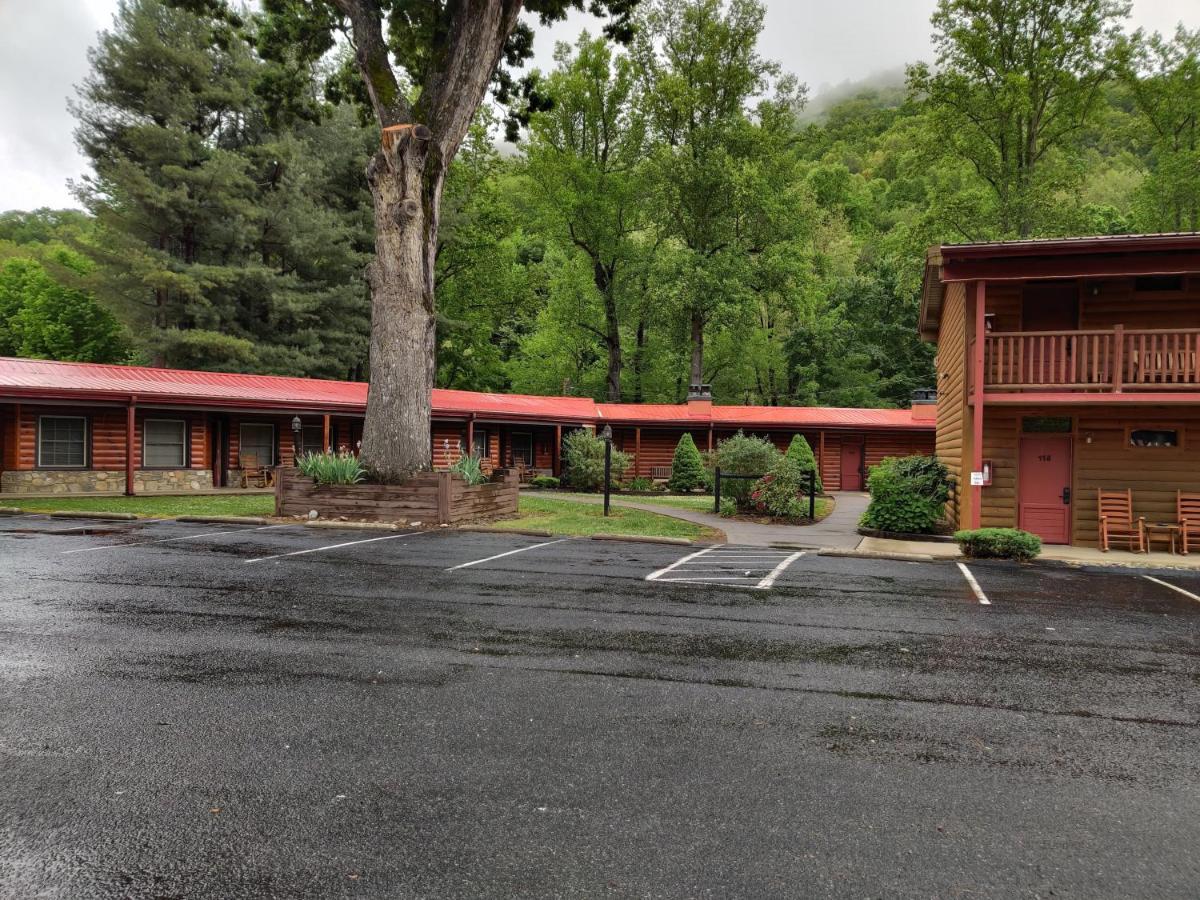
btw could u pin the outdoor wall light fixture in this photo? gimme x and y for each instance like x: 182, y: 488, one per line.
x: 297, y: 435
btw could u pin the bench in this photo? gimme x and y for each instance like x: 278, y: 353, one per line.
x: 660, y: 473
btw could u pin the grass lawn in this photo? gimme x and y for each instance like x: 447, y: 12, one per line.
x: 699, y: 502
x: 156, y: 507
x: 561, y: 516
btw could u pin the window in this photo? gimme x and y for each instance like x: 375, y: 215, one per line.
x: 1046, y: 424
x: 480, y: 438
x: 62, y: 442
x: 1158, y: 284
x: 312, y: 438
x: 1153, y: 437
x: 164, y: 444
x: 522, y: 448
x: 257, y: 439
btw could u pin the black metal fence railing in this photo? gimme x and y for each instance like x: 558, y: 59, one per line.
x: 719, y: 476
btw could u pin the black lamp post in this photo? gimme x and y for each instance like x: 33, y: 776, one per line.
x: 297, y: 436
x: 606, y: 434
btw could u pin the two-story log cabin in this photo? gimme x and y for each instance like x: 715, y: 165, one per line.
x: 1064, y: 367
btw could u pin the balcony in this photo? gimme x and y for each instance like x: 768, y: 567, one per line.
x: 1097, y: 361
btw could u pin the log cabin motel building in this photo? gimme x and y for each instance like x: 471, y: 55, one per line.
x: 77, y: 428
x: 1066, y: 367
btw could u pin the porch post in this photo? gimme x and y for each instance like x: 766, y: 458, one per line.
x: 328, y: 432
x: 710, y: 438
x: 977, y: 408
x: 130, y: 427
x: 557, y: 451
x: 470, y: 448
x: 821, y: 455
x: 637, y: 451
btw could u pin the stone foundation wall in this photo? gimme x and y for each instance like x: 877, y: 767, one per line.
x: 89, y: 481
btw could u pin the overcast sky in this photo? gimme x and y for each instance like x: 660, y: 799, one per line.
x: 43, y: 53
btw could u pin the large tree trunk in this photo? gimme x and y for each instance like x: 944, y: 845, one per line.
x: 406, y: 194
x: 697, y: 376
x: 603, y: 277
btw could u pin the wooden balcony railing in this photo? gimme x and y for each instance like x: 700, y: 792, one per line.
x: 1113, y: 360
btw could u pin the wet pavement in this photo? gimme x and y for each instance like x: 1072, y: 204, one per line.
x: 194, y: 711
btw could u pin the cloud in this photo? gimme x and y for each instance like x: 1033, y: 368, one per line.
x: 44, y: 43
x: 43, y: 53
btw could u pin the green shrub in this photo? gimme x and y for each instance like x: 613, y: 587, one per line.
x: 742, y: 455
x: 584, y: 456
x: 728, y: 508
x: 687, y: 466
x: 999, y: 543
x: 544, y: 481
x: 641, y: 483
x: 908, y: 494
x: 801, y: 453
x: 331, y: 468
x: 778, y: 492
x: 470, y: 467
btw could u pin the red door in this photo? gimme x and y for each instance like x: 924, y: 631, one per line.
x: 852, y: 465
x: 1044, y: 487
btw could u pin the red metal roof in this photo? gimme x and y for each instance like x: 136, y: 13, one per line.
x: 763, y: 416
x: 37, y: 379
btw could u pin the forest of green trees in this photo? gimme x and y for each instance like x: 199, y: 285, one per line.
x: 670, y: 211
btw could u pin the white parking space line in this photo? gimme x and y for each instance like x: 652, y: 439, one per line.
x: 975, y: 588
x: 656, y: 576
x: 1178, y: 590
x: 186, y: 537
x: 476, y: 562
x: 386, y: 537
x: 778, y: 570
x: 750, y: 567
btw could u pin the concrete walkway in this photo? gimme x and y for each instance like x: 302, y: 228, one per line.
x: 1079, y: 556
x: 837, y: 530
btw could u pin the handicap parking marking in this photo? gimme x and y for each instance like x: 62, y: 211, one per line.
x: 1173, y: 587
x: 750, y: 567
x: 975, y: 588
x: 476, y: 562
x: 186, y: 537
x: 386, y: 537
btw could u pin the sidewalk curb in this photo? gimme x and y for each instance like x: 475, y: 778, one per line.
x: 89, y: 514
x: 494, y: 529
x: 883, y: 554
x: 10, y: 511
x: 357, y: 526
x: 642, y: 539
x: 224, y: 520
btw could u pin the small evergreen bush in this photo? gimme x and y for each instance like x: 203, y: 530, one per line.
x: 999, y: 543
x: 908, y: 494
x: 802, y: 454
x: 544, y: 481
x: 742, y: 455
x: 778, y: 492
x: 584, y: 456
x: 687, y: 466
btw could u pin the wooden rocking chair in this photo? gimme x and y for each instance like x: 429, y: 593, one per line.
x: 1187, y: 510
x: 1117, y: 521
x: 254, y: 472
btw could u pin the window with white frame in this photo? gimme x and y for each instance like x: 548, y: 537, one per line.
x: 257, y: 439
x: 164, y: 443
x: 62, y: 442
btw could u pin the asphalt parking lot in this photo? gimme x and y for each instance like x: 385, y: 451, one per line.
x: 222, y: 711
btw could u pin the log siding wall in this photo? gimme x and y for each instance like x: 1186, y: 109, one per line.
x: 952, y: 420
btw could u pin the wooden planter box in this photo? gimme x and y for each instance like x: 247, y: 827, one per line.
x: 435, y: 498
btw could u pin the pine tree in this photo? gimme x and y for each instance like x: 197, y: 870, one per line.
x: 801, y: 453
x: 236, y: 239
x: 687, y: 467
